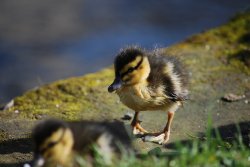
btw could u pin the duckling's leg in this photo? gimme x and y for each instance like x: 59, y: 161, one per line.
x: 167, y: 127
x: 162, y: 137
x: 137, y: 129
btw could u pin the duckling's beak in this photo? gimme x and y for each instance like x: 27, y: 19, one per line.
x: 38, y: 161
x: 117, y: 84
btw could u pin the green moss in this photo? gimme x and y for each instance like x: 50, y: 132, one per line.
x: 66, y: 99
x: 3, y: 135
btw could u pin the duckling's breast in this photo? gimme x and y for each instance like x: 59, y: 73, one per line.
x: 141, y: 99
x: 132, y: 100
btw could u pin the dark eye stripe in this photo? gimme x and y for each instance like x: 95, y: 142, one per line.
x: 131, y: 69
x: 52, y: 144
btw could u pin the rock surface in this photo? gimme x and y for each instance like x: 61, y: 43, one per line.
x: 216, y: 67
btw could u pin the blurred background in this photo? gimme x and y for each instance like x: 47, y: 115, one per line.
x: 45, y: 40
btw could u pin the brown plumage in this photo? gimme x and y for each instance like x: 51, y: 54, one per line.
x: 150, y: 81
x: 59, y: 143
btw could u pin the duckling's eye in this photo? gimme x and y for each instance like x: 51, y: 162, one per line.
x: 50, y: 145
x: 130, y: 70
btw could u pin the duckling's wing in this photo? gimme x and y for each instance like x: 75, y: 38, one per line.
x: 88, y: 132
x: 180, y: 97
x: 168, y: 72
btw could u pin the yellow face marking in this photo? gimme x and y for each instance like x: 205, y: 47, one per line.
x: 60, y: 152
x: 53, y: 138
x: 139, y: 75
x: 132, y: 64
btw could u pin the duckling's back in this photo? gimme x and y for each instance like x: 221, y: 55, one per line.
x: 87, y: 133
x: 168, y: 72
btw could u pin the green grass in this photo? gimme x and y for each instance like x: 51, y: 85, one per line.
x: 208, y: 151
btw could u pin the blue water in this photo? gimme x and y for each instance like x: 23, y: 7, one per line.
x: 43, y: 42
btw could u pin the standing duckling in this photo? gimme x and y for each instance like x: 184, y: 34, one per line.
x: 58, y: 143
x: 149, y: 81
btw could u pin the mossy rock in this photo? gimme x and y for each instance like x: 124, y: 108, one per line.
x: 71, y: 99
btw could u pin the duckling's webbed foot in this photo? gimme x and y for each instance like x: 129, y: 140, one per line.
x: 160, y: 138
x: 137, y: 129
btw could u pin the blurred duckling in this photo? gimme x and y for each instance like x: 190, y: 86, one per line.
x: 149, y: 81
x: 58, y: 143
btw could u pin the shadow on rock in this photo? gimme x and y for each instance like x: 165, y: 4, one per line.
x: 243, y: 56
x: 23, y: 145
x: 245, y: 38
x: 12, y: 165
x: 228, y: 133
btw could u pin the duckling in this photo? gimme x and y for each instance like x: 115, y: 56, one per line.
x: 150, y: 81
x: 58, y: 143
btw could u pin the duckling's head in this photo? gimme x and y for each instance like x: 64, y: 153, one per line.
x: 131, y: 67
x: 53, y: 143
